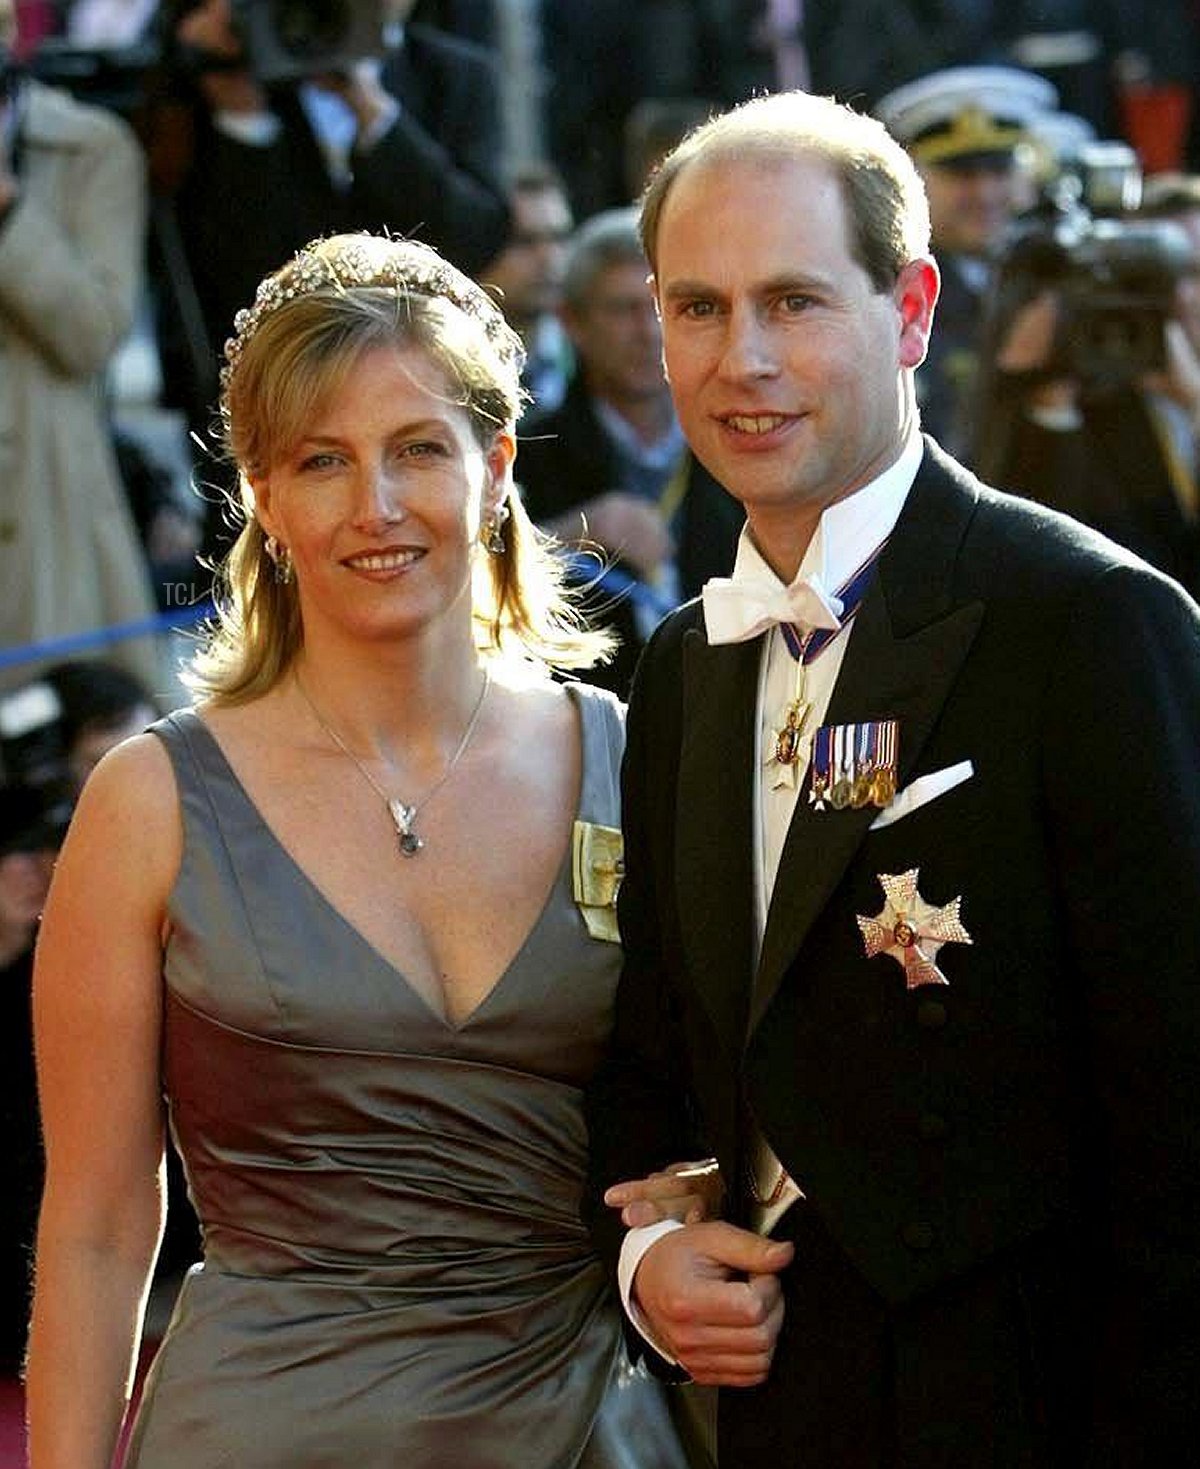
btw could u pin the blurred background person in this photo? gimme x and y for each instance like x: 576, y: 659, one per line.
x: 1090, y: 392
x: 609, y: 469
x: 654, y: 126
x: 72, y: 243
x: 966, y: 128
x: 603, y: 58
x: 409, y: 140
x: 100, y: 704
x: 526, y: 279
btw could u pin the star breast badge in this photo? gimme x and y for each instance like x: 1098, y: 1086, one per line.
x: 912, y: 930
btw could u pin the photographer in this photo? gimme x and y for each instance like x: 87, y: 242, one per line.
x: 1091, y: 398
x: 72, y: 223
x: 408, y: 141
x: 966, y: 129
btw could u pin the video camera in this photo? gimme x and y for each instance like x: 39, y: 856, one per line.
x: 291, y: 39
x: 283, y: 40
x: 1115, y: 276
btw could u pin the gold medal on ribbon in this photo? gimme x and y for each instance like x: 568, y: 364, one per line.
x: 854, y: 765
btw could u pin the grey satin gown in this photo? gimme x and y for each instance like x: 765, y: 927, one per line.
x: 394, y: 1270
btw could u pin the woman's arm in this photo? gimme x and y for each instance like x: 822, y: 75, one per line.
x: 97, y: 1019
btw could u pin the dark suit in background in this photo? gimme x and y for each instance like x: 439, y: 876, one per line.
x: 566, y: 459
x: 242, y: 209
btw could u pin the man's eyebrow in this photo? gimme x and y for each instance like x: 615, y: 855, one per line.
x: 783, y: 285
x: 686, y: 288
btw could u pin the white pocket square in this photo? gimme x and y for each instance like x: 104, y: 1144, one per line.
x: 923, y: 790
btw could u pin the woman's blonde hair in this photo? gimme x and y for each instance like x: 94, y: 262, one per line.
x: 310, y: 323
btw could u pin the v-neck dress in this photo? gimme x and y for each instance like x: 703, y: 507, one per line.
x: 394, y: 1270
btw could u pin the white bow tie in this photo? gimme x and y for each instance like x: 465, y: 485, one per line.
x: 738, y: 609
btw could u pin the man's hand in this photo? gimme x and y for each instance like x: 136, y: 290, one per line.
x: 1181, y: 378
x: 624, y: 525
x: 1027, y: 347
x: 362, y: 89
x: 688, y: 1192
x: 710, y: 1294
x: 1030, y: 336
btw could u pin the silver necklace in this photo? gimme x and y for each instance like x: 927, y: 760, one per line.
x: 404, y: 815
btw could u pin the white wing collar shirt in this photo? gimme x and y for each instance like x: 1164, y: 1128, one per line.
x: 752, y: 602
x: 848, y: 535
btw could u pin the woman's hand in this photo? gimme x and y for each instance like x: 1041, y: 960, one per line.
x: 688, y: 1192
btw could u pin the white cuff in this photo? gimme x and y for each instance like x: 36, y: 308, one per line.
x: 254, y: 129
x: 1065, y: 419
x: 384, y: 123
x: 635, y: 1244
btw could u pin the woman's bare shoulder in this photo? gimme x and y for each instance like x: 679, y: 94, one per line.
x: 129, y: 804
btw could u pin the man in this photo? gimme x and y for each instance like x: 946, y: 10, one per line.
x: 610, y: 466
x: 910, y: 920
x: 1089, y: 391
x: 966, y: 129
x: 409, y: 142
x: 527, y: 280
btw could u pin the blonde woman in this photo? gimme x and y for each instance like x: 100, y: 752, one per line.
x: 352, y: 916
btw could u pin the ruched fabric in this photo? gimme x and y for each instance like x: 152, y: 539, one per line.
x: 394, y: 1270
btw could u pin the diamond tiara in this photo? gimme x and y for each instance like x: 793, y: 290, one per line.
x: 346, y: 262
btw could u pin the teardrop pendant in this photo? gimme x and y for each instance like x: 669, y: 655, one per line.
x: 402, y: 816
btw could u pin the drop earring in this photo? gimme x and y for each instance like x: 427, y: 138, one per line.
x: 281, y: 559
x: 491, y: 533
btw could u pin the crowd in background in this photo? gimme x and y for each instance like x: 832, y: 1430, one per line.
x: 150, y: 174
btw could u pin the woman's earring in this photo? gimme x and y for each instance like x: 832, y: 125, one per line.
x: 281, y: 558
x: 491, y: 533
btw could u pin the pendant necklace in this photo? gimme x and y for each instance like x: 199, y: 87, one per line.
x: 403, y: 815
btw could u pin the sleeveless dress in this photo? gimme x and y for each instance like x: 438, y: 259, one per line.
x: 394, y: 1271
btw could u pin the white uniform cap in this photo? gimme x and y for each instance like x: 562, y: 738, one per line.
x: 949, y: 116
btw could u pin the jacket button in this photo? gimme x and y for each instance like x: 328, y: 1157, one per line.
x: 931, y: 1015
x: 932, y: 1127
x: 918, y: 1235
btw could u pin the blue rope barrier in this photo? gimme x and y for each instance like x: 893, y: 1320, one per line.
x: 611, y: 580
x: 71, y: 644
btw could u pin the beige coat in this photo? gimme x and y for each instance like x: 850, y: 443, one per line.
x: 71, y: 267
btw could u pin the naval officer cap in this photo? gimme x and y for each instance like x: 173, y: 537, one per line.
x: 966, y: 114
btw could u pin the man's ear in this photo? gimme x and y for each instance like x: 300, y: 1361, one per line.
x: 915, y: 293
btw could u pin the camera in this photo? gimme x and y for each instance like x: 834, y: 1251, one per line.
x: 112, y: 77
x: 283, y: 40
x: 1115, y: 276
x: 292, y: 39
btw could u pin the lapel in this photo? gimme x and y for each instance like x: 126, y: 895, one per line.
x: 910, y: 639
x: 714, y: 831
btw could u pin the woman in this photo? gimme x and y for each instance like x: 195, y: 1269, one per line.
x: 353, y: 915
